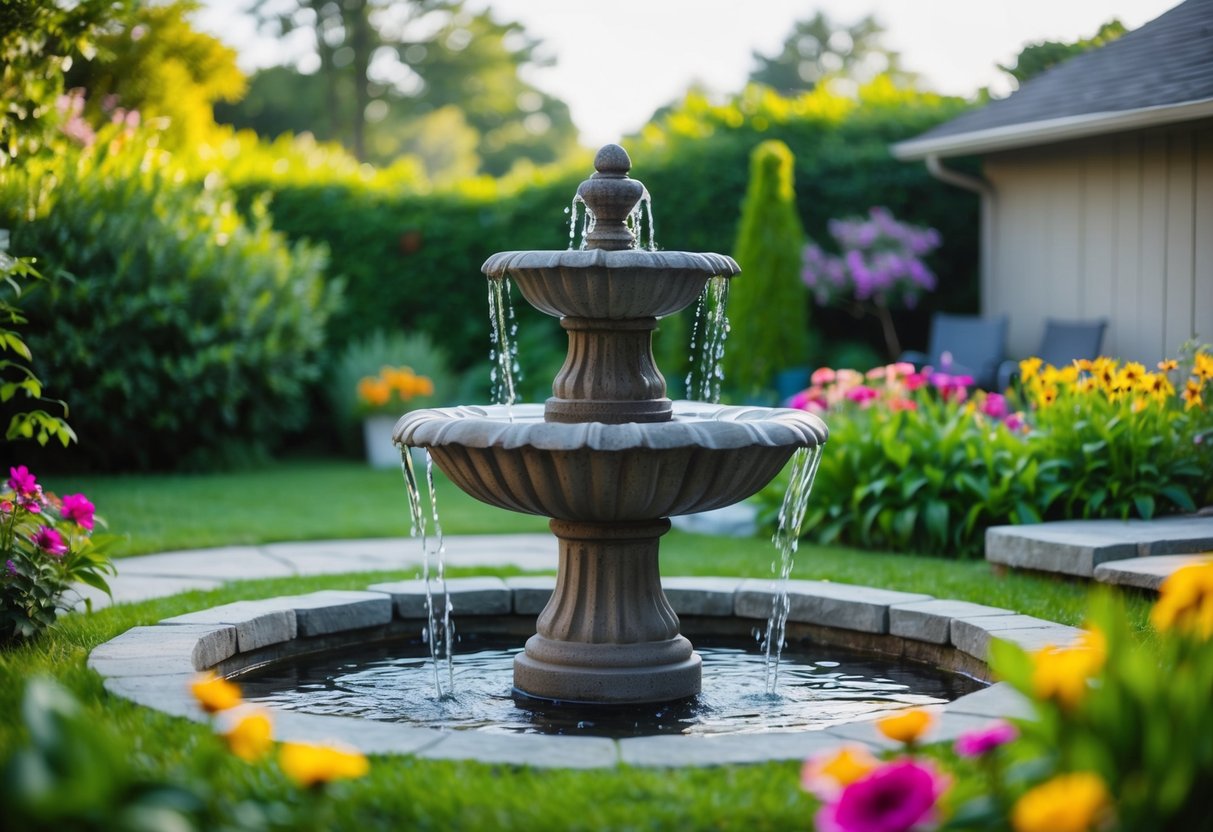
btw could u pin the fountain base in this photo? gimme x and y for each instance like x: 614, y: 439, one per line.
x: 629, y: 674
x: 608, y: 635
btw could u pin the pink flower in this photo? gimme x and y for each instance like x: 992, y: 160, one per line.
x: 22, y: 481
x: 896, y: 797
x: 6, y: 506
x: 995, y: 406
x: 1015, y: 422
x: 50, y: 541
x: 915, y: 380
x: 903, y: 368
x: 861, y: 395
x: 822, y: 375
x: 898, y: 403
x: 78, y: 509
x: 982, y: 741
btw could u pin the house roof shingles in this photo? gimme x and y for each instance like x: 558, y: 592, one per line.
x: 1166, y: 62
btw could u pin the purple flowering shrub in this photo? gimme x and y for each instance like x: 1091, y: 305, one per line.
x: 47, y: 544
x: 880, y: 267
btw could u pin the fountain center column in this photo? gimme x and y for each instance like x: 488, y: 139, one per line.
x: 609, y: 374
x: 608, y: 634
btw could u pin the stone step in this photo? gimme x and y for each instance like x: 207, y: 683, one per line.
x: 1078, y: 547
x: 1145, y: 573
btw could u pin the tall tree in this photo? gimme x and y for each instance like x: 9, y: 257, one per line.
x: 387, y: 62
x: 819, y: 48
x: 1035, y: 58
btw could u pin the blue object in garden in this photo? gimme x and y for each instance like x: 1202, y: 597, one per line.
x: 1063, y: 342
x: 965, y: 345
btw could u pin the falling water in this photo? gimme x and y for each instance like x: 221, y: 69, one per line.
x: 439, y: 632
x: 572, y: 212
x: 636, y: 222
x: 503, y: 354
x: 708, y: 334
x: 787, y: 540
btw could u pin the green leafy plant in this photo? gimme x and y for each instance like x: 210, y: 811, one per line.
x: 47, y: 544
x: 17, y: 375
x: 186, y: 335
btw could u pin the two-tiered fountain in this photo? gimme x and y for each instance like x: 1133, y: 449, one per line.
x: 609, y: 457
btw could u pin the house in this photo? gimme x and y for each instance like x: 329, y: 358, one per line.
x: 1097, y: 190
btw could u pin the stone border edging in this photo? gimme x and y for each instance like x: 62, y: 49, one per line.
x: 152, y: 665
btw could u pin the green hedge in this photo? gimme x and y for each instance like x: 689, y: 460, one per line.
x: 183, y: 334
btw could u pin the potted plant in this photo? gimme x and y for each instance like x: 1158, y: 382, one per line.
x: 382, y: 399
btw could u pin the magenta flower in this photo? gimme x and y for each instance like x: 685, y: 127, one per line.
x: 995, y: 406
x: 11, y: 568
x: 982, y: 741
x: 78, y: 509
x: 896, y: 797
x: 861, y: 395
x: 22, y: 481
x: 50, y: 541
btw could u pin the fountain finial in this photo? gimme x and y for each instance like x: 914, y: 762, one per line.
x: 611, y: 196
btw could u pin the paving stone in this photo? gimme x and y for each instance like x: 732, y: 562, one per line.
x: 468, y: 596
x: 131, y: 589
x: 229, y: 563
x: 169, y: 693
x: 534, y: 750
x: 1037, y: 639
x: 368, y: 736
x: 1076, y: 547
x: 972, y: 635
x: 998, y: 701
x: 531, y: 594
x: 164, y: 649
x: 701, y: 596
x: 845, y: 606
x: 336, y: 611
x: 527, y: 551
x: 257, y: 623
x: 932, y: 620
x: 1146, y: 573
x: 727, y: 749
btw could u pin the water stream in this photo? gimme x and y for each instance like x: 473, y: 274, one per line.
x: 708, y: 336
x: 505, y: 371
x: 439, y: 632
x: 787, y: 541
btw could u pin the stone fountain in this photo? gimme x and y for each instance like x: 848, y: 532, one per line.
x: 609, y: 457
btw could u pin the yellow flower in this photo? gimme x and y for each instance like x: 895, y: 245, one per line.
x: 1029, y: 367
x: 1185, y: 601
x: 1048, y: 395
x: 1191, y: 394
x: 1168, y: 365
x: 1083, y: 364
x: 251, y: 738
x: 1133, y: 373
x: 1061, y: 674
x: 906, y: 727
x: 1202, y: 366
x: 214, y: 693
x: 1068, y: 803
x: 315, y: 765
x: 1158, y: 386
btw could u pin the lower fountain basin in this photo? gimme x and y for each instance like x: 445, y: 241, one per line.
x: 706, y: 457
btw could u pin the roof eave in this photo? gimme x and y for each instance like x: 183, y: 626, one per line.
x: 1048, y: 131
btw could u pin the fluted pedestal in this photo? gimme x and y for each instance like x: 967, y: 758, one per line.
x: 608, y: 634
x: 609, y: 374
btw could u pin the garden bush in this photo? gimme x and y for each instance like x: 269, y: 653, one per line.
x: 184, y: 334
x: 914, y: 464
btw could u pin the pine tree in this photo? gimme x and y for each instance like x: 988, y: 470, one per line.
x: 768, y: 303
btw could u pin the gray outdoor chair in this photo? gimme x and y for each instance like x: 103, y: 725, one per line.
x: 965, y: 345
x: 1063, y: 342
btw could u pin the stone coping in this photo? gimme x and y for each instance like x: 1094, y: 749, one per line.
x: 153, y: 665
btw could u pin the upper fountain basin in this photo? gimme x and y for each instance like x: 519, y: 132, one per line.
x: 594, y: 283
x: 706, y: 457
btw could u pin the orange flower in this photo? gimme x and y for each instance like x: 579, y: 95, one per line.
x: 907, y: 726
x: 1074, y: 802
x: 374, y: 391
x: 1185, y: 601
x: 215, y: 694
x: 315, y: 765
x: 251, y: 738
x: 826, y: 774
x: 1168, y: 365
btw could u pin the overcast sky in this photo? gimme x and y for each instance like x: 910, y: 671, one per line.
x: 615, y: 63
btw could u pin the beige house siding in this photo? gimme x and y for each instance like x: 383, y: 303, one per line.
x: 1119, y: 227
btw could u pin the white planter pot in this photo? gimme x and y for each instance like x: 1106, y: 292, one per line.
x: 380, y: 452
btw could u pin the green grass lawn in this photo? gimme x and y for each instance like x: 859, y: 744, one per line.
x: 322, y: 499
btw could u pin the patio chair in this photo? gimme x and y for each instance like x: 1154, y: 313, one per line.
x: 1063, y: 342
x: 965, y: 345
